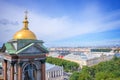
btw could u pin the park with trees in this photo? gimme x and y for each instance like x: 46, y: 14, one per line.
x: 67, y: 65
x: 109, y: 70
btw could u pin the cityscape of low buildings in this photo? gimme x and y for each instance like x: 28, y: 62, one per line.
x: 83, y: 56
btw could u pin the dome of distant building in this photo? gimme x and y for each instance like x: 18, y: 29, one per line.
x: 24, y: 33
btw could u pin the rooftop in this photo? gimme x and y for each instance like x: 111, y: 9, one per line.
x: 52, y: 67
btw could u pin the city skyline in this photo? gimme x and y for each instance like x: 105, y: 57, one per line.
x: 63, y: 22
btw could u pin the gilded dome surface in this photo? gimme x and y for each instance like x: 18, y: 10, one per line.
x: 24, y: 33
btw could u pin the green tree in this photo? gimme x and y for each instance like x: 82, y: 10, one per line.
x: 104, y: 76
x: 68, y: 65
x: 75, y: 76
x: 85, y: 76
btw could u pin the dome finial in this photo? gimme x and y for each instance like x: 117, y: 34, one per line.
x: 26, y: 12
x: 25, y: 21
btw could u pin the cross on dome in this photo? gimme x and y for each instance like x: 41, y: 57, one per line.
x: 26, y: 12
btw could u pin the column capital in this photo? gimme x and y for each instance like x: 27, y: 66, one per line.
x: 20, y: 63
x: 4, y: 60
x: 12, y: 62
x: 43, y: 61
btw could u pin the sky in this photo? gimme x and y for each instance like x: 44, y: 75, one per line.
x: 63, y: 22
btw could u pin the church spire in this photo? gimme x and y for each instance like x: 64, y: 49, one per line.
x: 25, y: 22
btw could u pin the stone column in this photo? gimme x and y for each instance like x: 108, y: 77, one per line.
x: 55, y: 74
x: 12, y: 71
x: 43, y: 70
x: 47, y: 74
x: 5, y: 69
x: 60, y: 72
x: 20, y: 71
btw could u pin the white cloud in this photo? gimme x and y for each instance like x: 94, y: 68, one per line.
x: 51, y: 29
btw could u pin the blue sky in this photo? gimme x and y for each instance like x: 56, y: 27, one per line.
x: 63, y: 22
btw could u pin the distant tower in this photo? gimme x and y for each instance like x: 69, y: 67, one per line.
x: 24, y: 56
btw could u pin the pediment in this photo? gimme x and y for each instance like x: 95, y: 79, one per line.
x: 32, y: 49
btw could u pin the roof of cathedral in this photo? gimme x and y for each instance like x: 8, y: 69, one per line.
x: 24, y: 46
x: 10, y: 48
x: 24, y: 33
x: 52, y: 67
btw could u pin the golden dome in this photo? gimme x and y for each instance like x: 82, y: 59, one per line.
x: 24, y: 33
